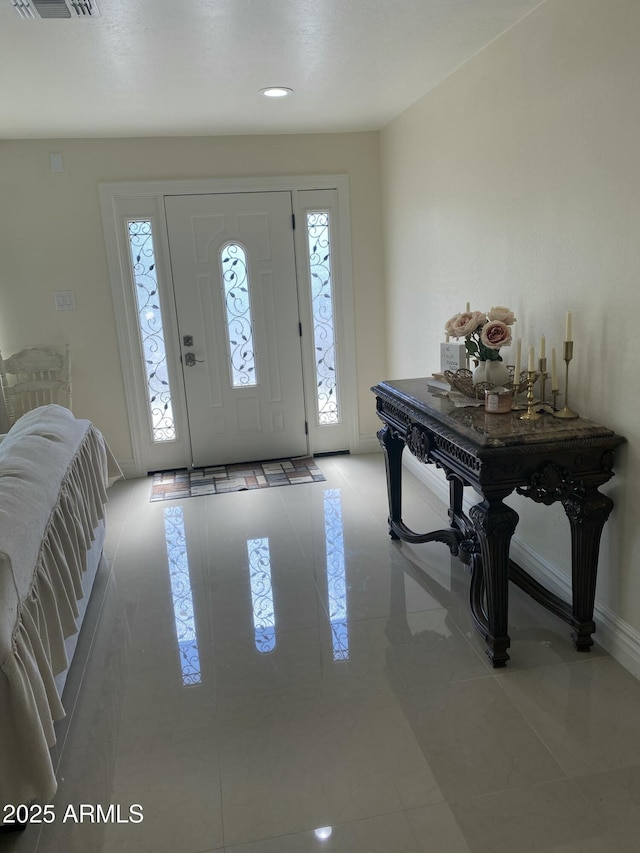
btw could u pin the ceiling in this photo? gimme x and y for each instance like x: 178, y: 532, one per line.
x: 195, y: 67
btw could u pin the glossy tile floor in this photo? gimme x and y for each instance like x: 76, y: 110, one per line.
x: 266, y: 672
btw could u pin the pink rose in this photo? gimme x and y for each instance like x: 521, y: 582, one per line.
x: 495, y: 334
x: 462, y: 325
x: 505, y: 315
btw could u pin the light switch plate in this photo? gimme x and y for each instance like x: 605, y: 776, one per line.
x: 65, y: 300
x: 56, y: 162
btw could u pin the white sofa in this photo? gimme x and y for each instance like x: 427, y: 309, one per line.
x: 54, y: 472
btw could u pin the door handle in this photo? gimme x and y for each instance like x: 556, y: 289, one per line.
x: 190, y: 359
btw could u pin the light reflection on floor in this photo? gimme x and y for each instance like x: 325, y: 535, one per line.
x: 181, y: 595
x: 336, y: 575
x: 264, y: 616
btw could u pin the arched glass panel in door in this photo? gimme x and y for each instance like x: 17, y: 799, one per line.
x: 239, y: 323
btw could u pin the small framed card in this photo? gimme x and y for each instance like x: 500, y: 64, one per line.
x: 452, y: 357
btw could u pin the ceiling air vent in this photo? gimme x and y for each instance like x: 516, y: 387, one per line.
x: 56, y: 8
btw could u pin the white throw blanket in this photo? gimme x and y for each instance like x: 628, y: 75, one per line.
x: 54, y: 470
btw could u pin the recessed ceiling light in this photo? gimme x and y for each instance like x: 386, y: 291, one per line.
x: 323, y: 832
x: 276, y: 92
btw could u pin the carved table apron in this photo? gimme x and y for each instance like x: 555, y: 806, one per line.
x: 548, y: 460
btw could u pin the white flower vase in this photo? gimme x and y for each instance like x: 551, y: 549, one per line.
x: 494, y: 372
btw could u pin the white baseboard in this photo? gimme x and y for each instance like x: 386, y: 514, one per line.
x: 128, y: 468
x: 616, y: 636
x: 613, y: 633
x: 368, y: 444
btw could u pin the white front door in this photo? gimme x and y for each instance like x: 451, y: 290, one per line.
x: 234, y: 278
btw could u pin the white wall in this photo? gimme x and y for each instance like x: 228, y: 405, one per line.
x: 516, y: 182
x: 51, y: 238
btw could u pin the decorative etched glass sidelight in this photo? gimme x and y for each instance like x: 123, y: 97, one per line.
x: 336, y: 574
x: 264, y: 617
x: 237, y: 300
x: 151, y: 330
x: 319, y: 244
x: 181, y: 595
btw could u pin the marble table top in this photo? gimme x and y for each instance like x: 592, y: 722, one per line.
x: 484, y: 428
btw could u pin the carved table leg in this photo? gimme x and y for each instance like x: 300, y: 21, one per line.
x: 494, y: 523
x: 587, y: 512
x: 392, y: 447
x: 458, y: 520
x: 456, y: 494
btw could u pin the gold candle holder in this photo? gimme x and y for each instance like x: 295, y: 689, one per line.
x: 543, y: 406
x: 530, y: 414
x: 542, y: 367
x: 566, y: 412
x: 517, y: 386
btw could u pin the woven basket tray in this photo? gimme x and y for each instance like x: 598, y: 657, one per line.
x: 462, y: 380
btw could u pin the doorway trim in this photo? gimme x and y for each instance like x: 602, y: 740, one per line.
x: 120, y: 201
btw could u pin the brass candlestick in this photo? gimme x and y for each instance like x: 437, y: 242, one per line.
x: 543, y: 406
x: 566, y: 412
x: 520, y: 384
x: 542, y: 367
x: 530, y: 414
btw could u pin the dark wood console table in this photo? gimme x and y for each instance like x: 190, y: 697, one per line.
x: 547, y: 460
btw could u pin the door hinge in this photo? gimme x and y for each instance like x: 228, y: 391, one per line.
x: 300, y: 329
x: 306, y: 427
x: 293, y: 221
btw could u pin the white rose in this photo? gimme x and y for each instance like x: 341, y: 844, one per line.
x: 505, y: 315
x: 462, y: 325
